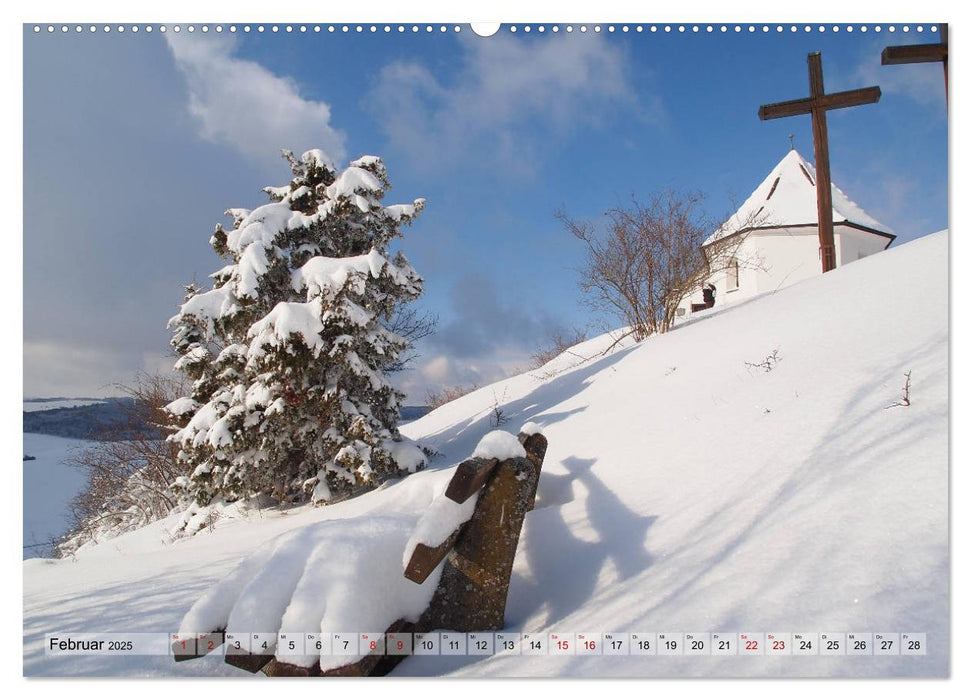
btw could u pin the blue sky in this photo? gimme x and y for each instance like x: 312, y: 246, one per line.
x: 135, y: 144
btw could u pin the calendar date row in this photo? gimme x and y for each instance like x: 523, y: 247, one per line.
x: 556, y: 643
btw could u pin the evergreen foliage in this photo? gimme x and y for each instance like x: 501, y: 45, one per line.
x: 286, y: 352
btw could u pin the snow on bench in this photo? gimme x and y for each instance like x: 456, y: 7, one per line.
x: 343, y: 575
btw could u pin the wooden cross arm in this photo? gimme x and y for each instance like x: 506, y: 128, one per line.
x: 835, y: 100
x: 914, y: 53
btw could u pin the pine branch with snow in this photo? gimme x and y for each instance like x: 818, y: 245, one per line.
x: 286, y: 351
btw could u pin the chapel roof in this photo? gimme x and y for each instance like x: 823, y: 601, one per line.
x: 787, y: 197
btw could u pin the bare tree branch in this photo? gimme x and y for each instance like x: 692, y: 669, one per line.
x: 412, y: 325
x: 560, y: 341
x: 131, y: 467
x: 649, y: 258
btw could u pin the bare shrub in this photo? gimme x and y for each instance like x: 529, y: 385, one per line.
x: 498, y: 417
x: 130, y: 469
x: 559, y: 342
x: 435, y: 399
x: 649, y: 258
x: 905, y: 398
x: 412, y: 325
x: 767, y: 364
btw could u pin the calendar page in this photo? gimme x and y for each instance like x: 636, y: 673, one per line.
x: 603, y: 349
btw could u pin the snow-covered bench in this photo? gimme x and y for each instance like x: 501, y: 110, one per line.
x: 457, y: 558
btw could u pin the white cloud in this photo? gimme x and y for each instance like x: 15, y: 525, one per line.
x: 66, y: 369
x: 504, y: 85
x: 888, y: 193
x: 58, y: 368
x: 158, y: 363
x: 922, y: 82
x: 240, y: 103
x: 434, y: 373
x: 437, y: 370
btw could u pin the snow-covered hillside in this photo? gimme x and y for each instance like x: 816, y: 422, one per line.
x: 688, y: 487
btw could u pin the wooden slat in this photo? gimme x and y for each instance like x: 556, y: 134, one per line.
x: 424, y: 559
x: 282, y: 668
x: 914, y: 53
x: 919, y: 53
x: 471, y: 594
x: 790, y: 108
x: 535, y: 446
x: 217, y: 638
x: 371, y: 665
x: 835, y: 100
x: 469, y: 477
x: 249, y: 662
x: 851, y: 98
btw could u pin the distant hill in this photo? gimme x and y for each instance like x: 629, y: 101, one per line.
x: 92, y: 421
x: 47, y: 403
x: 100, y: 419
x: 410, y: 413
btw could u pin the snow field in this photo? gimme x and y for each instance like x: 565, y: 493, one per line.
x: 685, y: 488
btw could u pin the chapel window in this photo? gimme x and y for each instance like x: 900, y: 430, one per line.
x: 732, y: 275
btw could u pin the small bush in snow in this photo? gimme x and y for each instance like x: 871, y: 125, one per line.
x: 905, y: 398
x: 768, y: 364
x: 130, y: 469
x: 498, y: 416
x: 559, y: 343
x: 435, y: 399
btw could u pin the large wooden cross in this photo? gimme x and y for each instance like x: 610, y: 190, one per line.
x: 817, y: 105
x: 919, y: 53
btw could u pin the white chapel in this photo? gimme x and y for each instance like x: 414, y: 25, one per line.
x: 772, y: 241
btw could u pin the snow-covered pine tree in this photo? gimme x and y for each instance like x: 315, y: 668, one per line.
x: 285, y: 351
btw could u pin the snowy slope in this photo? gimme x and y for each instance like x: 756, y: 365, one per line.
x: 684, y: 490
